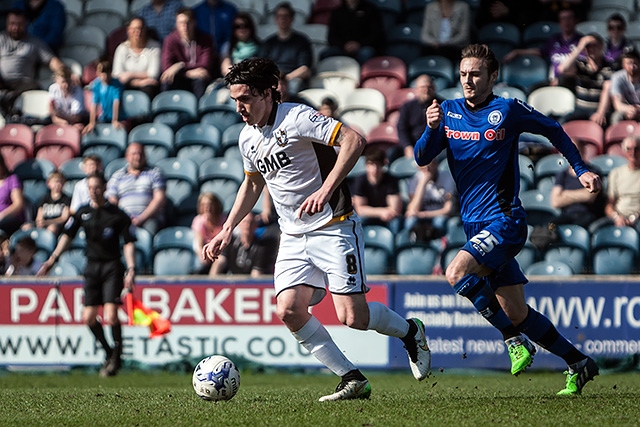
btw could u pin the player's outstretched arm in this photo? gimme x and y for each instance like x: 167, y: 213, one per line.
x: 248, y: 195
x: 63, y: 245
x: 591, y: 181
x: 351, y: 144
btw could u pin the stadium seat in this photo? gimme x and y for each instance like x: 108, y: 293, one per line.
x: 143, y: 246
x: 507, y: 91
x: 403, y: 168
x: 404, y: 41
x: 554, y: 101
x: 106, y: 15
x: 221, y: 117
x: 181, y: 177
x: 383, y: 136
x: 106, y: 141
x: 220, y: 167
x: 363, y: 109
x: 385, y: 70
x: 615, y: 133
x: 451, y: 92
x: 501, y: 37
x: 538, y: 207
x: 598, y: 26
x: 57, y: 143
x: 16, y: 143
x: 527, y: 173
x: 415, y: 259
x: 455, y: 238
x: 45, y: 241
x: 210, y: 101
x: 396, y: 100
x: 605, y: 162
x: 222, y: 188
x: 230, y: 136
x: 615, y: 250
x: 34, y: 170
x: 537, y: 33
x: 338, y: 74
x: 172, y: 251
x: 183, y: 104
x: 197, y: 142
x: 84, y: 43
x: 34, y: 103
x: 72, y: 171
x: 113, y: 166
x: 64, y: 269
x: 376, y: 260
x: 528, y: 255
x: 549, y: 268
x: 604, y: 8
x: 548, y: 166
x: 438, y: 67
x: 414, y: 11
x: 75, y: 257
x: 573, y: 247
x: 157, y: 139
x: 314, y: 96
x: 587, y: 132
x: 379, y: 236
x: 136, y: 103
x: 524, y: 72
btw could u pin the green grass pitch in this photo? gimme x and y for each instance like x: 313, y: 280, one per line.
x: 472, y: 398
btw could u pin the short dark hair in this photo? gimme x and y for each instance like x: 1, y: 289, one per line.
x: 482, y: 51
x: 260, y: 74
x: 186, y: 11
x: 376, y: 156
x: 104, y: 67
x: 618, y: 17
x: 99, y: 176
x: 28, y: 243
x: 286, y: 5
x: 631, y: 54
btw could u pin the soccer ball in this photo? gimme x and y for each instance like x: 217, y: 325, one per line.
x: 216, y: 378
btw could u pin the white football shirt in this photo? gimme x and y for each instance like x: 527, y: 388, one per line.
x: 294, y: 153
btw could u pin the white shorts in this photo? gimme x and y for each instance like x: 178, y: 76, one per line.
x: 332, y: 256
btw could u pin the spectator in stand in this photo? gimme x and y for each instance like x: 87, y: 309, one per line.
x: 189, y: 59
x: 160, y: 16
x: 11, y: 200
x: 91, y: 165
x: 243, y: 43
x: 289, y: 49
x: 20, y: 56
x: 446, y: 28
x: 557, y: 49
x: 139, y: 190
x: 205, y: 225
x: 247, y: 253
x: 21, y: 260
x: 412, y: 119
x: 53, y: 211
x: 592, y: 71
x: 215, y: 17
x: 286, y: 94
x: 47, y: 20
x: 329, y: 107
x: 623, y: 205
x: 107, y: 99
x: 136, y: 62
x: 355, y: 30
x: 516, y: 12
x: 617, y: 43
x: 67, y: 101
x: 431, y: 203
x: 625, y: 88
x: 376, y: 194
x: 547, y: 10
x: 577, y: 205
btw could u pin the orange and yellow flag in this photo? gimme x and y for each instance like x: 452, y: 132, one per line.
x: 141, y: 315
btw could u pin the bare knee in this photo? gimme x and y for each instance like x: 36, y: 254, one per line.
x: 455, y: 272
x: 353, y: 320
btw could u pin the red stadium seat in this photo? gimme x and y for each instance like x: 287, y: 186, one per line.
x: 589, y: 133
x: 16, y: 144
x: 614, y: 135
x: 57, y: 143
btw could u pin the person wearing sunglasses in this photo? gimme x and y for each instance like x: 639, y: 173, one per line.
x: 617, y: 43
x: 243, y: 44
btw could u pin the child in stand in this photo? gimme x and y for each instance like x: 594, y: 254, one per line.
x: 21, y: 260
x: 67, y: 101
x: 107, y: 99
x: 53, y: 210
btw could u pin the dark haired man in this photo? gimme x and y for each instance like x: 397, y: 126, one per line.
x: 291, y: 148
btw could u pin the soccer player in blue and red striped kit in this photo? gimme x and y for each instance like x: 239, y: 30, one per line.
x: 480, y: 133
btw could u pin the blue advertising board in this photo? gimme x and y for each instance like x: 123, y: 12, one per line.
x: 601, y: 318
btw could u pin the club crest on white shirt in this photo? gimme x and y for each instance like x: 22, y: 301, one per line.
x: 281, y: 137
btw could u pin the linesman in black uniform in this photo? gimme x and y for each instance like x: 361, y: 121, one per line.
x: 104, y: 275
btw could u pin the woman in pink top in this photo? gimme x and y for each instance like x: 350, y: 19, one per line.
x: 11, y: 200
x: 205, y: 225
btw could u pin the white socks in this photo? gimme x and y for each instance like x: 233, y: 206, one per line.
x: 386, y: 321
x: 317, y: 341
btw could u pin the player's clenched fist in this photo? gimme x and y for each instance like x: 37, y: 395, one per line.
x: 434, y: 115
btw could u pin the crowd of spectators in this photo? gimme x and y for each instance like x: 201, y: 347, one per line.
x: 169, y: 46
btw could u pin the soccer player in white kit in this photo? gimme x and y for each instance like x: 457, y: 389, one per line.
x: 291, y: 148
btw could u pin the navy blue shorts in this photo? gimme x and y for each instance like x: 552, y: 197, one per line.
x: 495, y: 244
x: 103, y: 282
